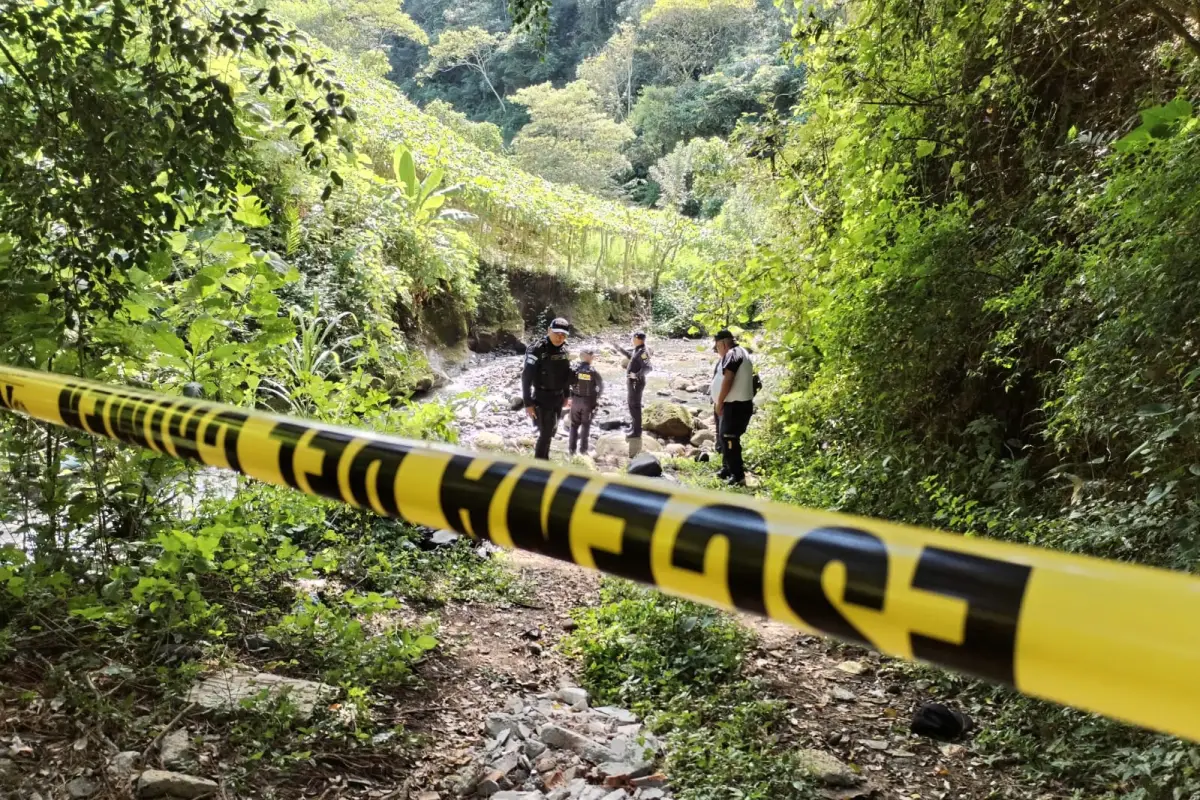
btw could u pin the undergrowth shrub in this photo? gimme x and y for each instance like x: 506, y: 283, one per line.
x: 679, y: 664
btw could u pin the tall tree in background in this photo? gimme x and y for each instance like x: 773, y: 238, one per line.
x: 362, y: 27
x: 610, y: 72
x: 569, y: 138
x: 472, y: 49
x: 689, y: 38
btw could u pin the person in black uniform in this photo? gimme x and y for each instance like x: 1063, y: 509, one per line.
x: 586, y: 388
x: 546, y: 381
x: 639, y: 366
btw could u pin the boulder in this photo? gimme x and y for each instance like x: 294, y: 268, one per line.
x: 486, y: 440
x: 675, y: 450
x: 226, y: 690
x: 612, y: 425
x: 444, y: 538
x: 702, y: 437
x: 516, y: 403
x: 485, y: 340
x: 440, y: 379
x: 160, y: 783
x: 826, y: 768
x: 668, y: 419
x: 123, y: 764
x: 611, y: 445
x: 645, y: 464
x: 573, y: 696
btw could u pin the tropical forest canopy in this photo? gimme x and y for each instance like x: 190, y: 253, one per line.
x: 962, y: 233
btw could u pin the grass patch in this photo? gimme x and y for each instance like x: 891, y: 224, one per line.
x: 679, y: 665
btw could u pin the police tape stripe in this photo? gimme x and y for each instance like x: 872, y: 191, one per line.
x: 1113, y: 638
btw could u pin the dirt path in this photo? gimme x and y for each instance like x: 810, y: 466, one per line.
x: 840, y: 699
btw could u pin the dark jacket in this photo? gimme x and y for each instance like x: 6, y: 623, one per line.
x: 547, y: 372
x: 586, y: 381
x: 639, y: 361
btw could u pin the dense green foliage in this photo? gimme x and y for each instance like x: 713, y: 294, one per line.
x: 681, y: 664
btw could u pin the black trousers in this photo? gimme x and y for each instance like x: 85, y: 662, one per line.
x: 735, y: 418
x: 582, y: 409
x: 636, y: 387
x: 548, y: 412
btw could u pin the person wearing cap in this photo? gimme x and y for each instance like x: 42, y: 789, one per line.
x: 546, y: 383
x: 732, y: 393
x: 586, y: 388
x: 639, y: 366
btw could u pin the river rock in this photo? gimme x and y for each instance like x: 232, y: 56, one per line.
x: 611, y: 445
x: 160, y: 783
x: 565, y: 739
x: 702, y: 437
x: 645, y: 464
x: 123, y: 764
x: 516, y: 403
x: 573, y: 696
x: 226, y: 690
x: 486, y: 440
x: 675, y: 450
x: 826, y: 768
x: 668, y: 419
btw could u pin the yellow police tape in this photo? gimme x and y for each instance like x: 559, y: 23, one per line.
x: 1113, y: 638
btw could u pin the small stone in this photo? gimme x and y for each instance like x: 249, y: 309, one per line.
x: 615, y: 772
x: 555, y: 780
x: 497, y: 724
x: 619, y: 794
x: 651, y: 794
x: 852, y: 667
x: 82, y: 787
x: 826, y: 768
x: 506, y: 764
x: 874, y: 744
x: 901, y: 754
x: 534, y: 649
x: 559, y: 794
x: 258, y: 642
x: 621, y: 715
x: 564, y: 739
x: 838, y: 693
x: 953, y: 750
x: 444, y: 538
x: 486, y: 440
x: 124, y: 763
x: 655, y: 781
x: 429, y: 796
x: 518, y: 796
x: 528, y: 442
x: 175, y: 750
x: 572, y: 695
x: 533, y: 748
x: 492, y: 783
x: 160, y: 783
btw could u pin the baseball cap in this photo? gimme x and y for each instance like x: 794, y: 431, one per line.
x: 722, y: 335
x: 640, y: 335
x: 560, y: 325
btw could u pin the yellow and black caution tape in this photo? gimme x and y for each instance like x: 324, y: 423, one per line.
x: 1112, y: 638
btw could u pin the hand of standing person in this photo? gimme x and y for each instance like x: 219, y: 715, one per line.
x: 719, y: 406
x: 531, y: 411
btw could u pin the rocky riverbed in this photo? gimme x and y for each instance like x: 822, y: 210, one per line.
x: 487, y: 390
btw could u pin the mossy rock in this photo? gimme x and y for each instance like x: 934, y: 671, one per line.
x: 669, y: 420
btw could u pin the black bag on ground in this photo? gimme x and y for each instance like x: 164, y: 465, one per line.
x: 940, y: 722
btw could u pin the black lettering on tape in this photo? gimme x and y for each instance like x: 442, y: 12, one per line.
x: 93, y: 421
x: 865, y: 558
x: 69, y: 399
x: 332, y: 445
x: 524, y: 517
x: 558, y: 523
x: 994, y: 591
x: 231, y: 422
x: 288, y: 435
x: 640, y: 509
x: 459, y: 493
x: 746, y: 532
x: 389, y: 457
